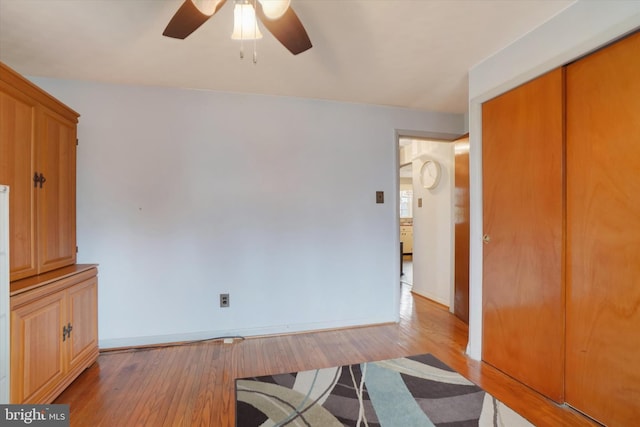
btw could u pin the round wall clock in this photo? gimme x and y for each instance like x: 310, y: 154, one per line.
x: 430, y: 173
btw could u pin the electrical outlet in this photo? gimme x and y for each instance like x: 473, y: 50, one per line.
x: 224, y: 300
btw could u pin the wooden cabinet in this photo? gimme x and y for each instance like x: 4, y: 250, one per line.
x: 54, y: 332
x: 37, y: 161
x: 406, y: 237
x: 53, y: 321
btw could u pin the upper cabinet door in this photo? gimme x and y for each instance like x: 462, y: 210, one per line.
x: 523, y: 288
x: 17, y: 168
x: 56, y: 200
x: 603, y: 233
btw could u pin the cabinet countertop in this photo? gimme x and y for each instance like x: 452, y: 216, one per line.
x: 24, y: 285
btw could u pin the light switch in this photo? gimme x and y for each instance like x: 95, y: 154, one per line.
x: 379, y: 196
x: 419, y: 202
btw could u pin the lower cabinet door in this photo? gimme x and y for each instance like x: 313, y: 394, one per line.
x: 83, y: 306
x: 36, y: 348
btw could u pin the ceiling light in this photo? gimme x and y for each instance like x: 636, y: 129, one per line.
x: 208, y: 7
x: 277, y: 16
x: 245, y: 26
x: 274, y: 9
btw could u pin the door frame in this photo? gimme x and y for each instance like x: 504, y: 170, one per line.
x: 417, y: 236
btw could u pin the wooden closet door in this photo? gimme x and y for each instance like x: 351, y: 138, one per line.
x: 523, y: 287
x: 603, y: 234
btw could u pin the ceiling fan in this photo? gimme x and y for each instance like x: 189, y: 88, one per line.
x: 276, y: 15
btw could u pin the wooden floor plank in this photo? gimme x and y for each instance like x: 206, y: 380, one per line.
x: 193, y: 385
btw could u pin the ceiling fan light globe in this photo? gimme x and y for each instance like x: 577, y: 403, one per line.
x: 208, y: 7
x: 274, y: 9
x: 245, y: 26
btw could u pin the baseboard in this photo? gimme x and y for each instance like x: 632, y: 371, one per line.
x: 435, y: 300
x: 160, y: 340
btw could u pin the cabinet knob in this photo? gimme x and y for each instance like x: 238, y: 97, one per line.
x: 66, y: 331
x: 38, y: 179
x: 486, y: 239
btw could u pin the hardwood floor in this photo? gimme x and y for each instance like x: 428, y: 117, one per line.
x: 193, y: 385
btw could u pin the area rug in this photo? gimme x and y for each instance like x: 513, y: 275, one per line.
x: 413, y: 391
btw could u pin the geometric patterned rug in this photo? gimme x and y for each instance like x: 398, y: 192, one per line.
x: 412, y: 391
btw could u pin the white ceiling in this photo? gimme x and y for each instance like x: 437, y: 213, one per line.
x: 407, y: 53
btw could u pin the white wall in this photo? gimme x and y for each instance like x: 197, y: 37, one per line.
x: 579, y: 29
x: 184, y: 194
x: 432, y: 224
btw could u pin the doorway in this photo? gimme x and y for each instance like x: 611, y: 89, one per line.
x: 433, y: 218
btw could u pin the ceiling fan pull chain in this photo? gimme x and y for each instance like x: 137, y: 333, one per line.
x: 255, y: 50
x: 241, y: 39
x: 255, y: 34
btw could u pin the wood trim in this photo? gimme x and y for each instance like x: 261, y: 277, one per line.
x: 13, y: 78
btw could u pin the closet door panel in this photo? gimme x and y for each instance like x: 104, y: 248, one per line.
x: 523, y: 288
x: 603, y: 233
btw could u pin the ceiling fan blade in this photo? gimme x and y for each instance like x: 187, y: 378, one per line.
x: 187, y: 19
x: 287, y: 29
